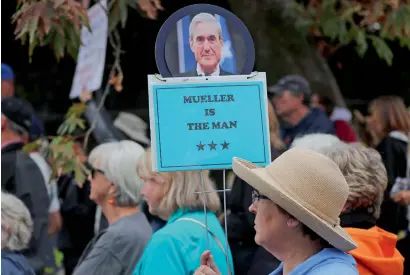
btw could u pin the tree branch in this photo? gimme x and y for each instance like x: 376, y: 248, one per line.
x: 115, y: 42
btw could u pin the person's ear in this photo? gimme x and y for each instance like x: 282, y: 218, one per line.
x: 292, y: 222
x: 3, y: 122
x: 191, y: 44
x: 112, y: 190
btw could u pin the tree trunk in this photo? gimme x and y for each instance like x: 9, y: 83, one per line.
x: 281, y: 49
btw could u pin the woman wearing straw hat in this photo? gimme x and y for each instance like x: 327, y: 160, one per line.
x: 297, y: 201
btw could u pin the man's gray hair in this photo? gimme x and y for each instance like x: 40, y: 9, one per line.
x: 118, y: 160
x: 16, y: 223
x: 202, y: 18
x: 316, y: 142
x: 14, y: 127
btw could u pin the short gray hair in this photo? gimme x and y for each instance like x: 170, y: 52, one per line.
x: 118, y: 160
x: 316, y: 142
x: 16, y: 223
x: 202, y: 18
x: 364, y: 172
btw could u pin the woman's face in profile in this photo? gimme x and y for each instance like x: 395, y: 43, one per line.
x: 153, y: 191
x: 373, y: 122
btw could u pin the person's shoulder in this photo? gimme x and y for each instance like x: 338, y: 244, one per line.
x: 222, y: 72
x: 190, y: 73
x: 334, y: 262
x: 128, y: 231
x: 334, y: 268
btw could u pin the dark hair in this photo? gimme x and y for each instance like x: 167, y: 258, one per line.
x: 309, y: 232
x: 327, y: 102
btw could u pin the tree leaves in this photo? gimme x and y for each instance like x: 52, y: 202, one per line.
x: 346, y: 22
x: 57, y: 23
x: 382, y: 49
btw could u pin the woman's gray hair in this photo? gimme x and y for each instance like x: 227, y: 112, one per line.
x: 362, y: 168
x: 118, y: 160
x: 364, y: 172
x: 202, y: 18
x: 182, y: 188
x: 16, y: 223
x: 316, y: 142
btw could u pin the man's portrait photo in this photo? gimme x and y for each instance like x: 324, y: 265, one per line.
x: 204, y: 45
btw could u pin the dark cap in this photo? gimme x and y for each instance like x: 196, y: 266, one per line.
x: 17, y: 111
x: 294, y: 83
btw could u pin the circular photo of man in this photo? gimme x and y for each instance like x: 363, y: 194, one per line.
x: 204, y: 44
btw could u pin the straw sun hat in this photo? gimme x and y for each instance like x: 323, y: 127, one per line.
x: 307, y: 185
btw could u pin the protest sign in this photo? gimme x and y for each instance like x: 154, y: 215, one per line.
x: 202, y: 123
x: 91, y: 56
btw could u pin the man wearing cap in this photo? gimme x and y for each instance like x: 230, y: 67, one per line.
x: 291, y: 98
x: 297, y: 202
x: 21, y: 177
x: 8, y: 90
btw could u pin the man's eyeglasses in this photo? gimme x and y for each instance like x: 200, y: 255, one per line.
x: 256, y: 197
x: 93, y: 170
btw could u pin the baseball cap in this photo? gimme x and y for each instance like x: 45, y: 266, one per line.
x: 293, y: 83
x: 6, y: 72
x: 17, y: 111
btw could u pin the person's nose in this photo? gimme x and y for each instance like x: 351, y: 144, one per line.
x: 252, y: 208
x: 207, y: 46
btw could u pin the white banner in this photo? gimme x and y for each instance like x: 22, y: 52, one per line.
x: 91, y: 57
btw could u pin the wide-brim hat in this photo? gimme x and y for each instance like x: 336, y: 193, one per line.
x: 307, y: 185
x: 133, y: 126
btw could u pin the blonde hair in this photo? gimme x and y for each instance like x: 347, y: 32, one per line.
x: 274, y: 128
x: 180, y: 188
x: 364, y: 172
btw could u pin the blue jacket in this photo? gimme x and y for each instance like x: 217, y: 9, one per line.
x: 14, y: 264
x: 315, y: 121
x: 329, y: 261
x: 176, y: 248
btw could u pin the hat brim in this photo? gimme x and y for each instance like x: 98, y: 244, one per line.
x: 266, y: 184
x: 276, y: 89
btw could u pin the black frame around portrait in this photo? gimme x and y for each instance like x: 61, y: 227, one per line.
x: 197, y: 8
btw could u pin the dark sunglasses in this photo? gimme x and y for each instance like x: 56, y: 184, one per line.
x: 93, y: 170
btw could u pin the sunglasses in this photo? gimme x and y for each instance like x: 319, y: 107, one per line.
x: 93, y: 170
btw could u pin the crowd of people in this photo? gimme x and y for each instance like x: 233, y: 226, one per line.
x: 331, y: 201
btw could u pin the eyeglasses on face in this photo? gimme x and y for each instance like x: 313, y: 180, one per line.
x: 256, y: 197
x: 93, y: 170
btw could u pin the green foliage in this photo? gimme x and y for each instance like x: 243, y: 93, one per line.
x: 61, y: 152
x: 364, y: 23
x: 50, y: 22
x: 58, y: 23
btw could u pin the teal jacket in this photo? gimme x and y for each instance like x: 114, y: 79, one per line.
x: 176, y: 248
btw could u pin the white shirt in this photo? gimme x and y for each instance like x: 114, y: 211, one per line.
x: 201, y: 73
x: 52, y: 186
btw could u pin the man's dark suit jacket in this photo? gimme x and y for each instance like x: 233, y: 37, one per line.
x: 194, y: 73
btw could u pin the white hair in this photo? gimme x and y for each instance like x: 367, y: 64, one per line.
x: 16, y: 223
x: 202, y: 18
x: 118, y: 160
x: 316, y: 142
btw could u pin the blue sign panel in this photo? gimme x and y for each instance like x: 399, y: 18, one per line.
x: 202, y: 126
